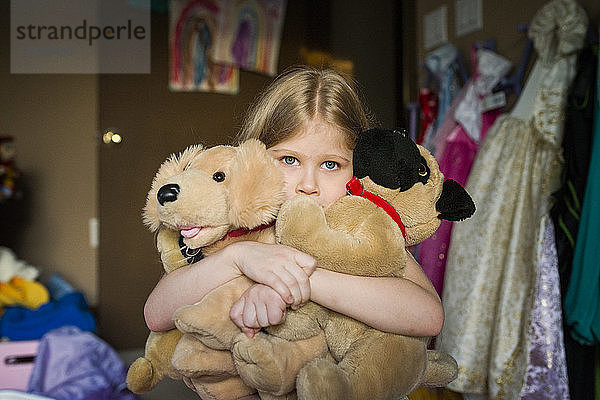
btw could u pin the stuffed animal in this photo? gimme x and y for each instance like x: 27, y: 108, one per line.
x: 11, y: 266
x: 201, y: 201
x: 399, y: 202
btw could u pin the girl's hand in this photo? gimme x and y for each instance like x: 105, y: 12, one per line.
x: 260, y: 306
x: 280, y: 267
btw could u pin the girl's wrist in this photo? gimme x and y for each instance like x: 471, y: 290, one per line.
x: 316, y: 283
x: 231, y: 258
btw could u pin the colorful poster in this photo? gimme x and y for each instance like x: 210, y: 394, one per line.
x: 251, y: 34
x: 194, y: 32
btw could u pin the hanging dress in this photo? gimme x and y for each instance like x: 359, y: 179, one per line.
x: 491, y: 273
x: 459, y: 150
x: 566, y: 212
x: 440, y: 63
x: 582, y: 302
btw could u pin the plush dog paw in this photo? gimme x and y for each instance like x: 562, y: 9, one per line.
x: 299, y: 218
x: 261, y: 363
x: 228, y: 389
x: 141, y: 377
x: 269, y: 396
x: 441, y: 369
x: 193, y: 359
x: 215, y: 330
x: 322, y: 379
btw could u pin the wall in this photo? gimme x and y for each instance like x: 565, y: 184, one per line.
x: 156, y: 122
x: 500, y: 21
x: 366, y: 35
x: 54, y: 120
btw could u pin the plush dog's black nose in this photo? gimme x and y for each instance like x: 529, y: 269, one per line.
x: 167, y: 193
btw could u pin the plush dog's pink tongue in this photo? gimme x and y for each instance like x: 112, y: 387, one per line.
x: 190, y: 232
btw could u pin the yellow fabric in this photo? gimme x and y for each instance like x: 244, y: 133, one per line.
x: 23, y: 292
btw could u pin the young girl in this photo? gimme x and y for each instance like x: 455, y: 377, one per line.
x: 309, y: 120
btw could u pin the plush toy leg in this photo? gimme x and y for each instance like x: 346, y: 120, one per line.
x: 322, y: 379
x: 377, y: 366
x: 193, y: 359
x: 210, y: 373
x: 209, y: 319
x: 441, y: 369
x: 229, y: 389
x: 269, y: 396
x: 342, y: 245
x: 271, y: 364
x: 145, y: 372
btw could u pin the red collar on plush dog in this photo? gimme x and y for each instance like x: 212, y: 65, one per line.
x: 244, y: 231
x: 355, y: 187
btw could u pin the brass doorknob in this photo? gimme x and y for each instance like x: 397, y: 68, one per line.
x: 112, y: 137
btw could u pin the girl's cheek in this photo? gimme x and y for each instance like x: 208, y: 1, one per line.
x: 289, y: 186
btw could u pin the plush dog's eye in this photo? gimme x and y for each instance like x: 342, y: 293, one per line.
x: 219, y: 176
x: 422, y: 170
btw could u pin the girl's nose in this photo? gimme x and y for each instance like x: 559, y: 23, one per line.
x: 308, y: 184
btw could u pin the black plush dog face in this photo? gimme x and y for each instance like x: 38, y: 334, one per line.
x: 390, y: 158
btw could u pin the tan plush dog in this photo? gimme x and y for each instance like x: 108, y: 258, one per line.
x: 201, y: 201
x: 401, y: 190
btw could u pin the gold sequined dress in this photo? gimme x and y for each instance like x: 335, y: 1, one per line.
x: 492, y: 266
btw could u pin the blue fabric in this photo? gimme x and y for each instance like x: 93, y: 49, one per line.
x: 76, y: 365
x: 582, y: 302
x: 20, y: 323
x: 58, y: 287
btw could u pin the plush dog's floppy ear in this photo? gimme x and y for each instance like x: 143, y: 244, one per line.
x: 256, y: 186
x: 364, y: 152
x: 455, y: 204
x: 390, y: 158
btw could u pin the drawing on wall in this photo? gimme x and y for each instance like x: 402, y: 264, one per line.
x: 193, y: 34
x: 251, y: 34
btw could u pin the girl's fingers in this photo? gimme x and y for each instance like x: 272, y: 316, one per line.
x: 235, y: 314
x: 249, y: 316
x: 249, y: 332
x: 276, y: 315
x: 303, y: 285
x: 276, y: 283
x: 291, y: 281
x: 306, y: 262
x: 262, y: 316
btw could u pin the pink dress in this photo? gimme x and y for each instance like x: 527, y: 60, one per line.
x: 457, y: 153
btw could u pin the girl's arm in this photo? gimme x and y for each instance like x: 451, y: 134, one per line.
x: 284, y: 269
x: 408, y: 305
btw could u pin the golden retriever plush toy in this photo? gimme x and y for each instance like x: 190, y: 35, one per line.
x: 201, y: 201
x: 399, y: 201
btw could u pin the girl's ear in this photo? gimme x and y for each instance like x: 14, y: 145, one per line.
x: 256, y: 188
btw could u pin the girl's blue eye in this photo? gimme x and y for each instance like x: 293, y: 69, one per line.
x: 330, y: 165
x: 289, y: 160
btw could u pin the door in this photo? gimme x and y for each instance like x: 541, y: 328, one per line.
x: 154, y: 123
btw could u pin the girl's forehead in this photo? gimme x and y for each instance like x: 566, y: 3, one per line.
x: 317, y: 133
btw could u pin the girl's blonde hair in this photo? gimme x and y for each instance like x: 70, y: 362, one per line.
x: 299, y: 95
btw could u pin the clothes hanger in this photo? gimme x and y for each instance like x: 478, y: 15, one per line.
x: 458, y: 63
x: 413, y: 115
x: 489, y: 44
x: 429, y: 76
x: 514, y: 83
